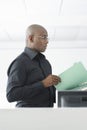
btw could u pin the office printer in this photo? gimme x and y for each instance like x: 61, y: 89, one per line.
x: 72, y: 98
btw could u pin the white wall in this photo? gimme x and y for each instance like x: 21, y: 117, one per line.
x: 60, y: 58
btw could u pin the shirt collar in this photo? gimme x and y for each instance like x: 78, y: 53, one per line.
x: 31, y: 53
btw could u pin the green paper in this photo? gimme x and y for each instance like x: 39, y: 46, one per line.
x: 72, y: 77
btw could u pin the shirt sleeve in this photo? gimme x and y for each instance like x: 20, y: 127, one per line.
x: 16, y: 87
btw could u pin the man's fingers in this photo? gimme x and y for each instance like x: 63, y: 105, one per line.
x: 56, y: 78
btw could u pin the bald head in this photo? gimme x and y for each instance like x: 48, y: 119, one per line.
x: 34, y: 35
x: 34, y: 29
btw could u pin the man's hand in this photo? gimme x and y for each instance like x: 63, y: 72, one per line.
x: 51, y: 80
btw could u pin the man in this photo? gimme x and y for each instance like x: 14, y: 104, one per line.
x: 30, y: 81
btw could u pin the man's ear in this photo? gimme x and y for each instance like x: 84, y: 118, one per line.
x: 31, y: 38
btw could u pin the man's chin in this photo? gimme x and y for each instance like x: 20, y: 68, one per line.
x: 43, y: 50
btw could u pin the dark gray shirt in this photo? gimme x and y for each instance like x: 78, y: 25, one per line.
x: 25, y: 75
x: 31, y: 53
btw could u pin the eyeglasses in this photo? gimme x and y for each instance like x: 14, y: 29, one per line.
x: 43, y: 37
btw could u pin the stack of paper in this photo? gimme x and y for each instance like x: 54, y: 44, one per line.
x: 72, y: 77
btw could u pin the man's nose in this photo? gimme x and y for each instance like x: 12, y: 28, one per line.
x: 46, y: 41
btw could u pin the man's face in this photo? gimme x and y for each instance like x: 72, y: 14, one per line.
x: 40, y: 40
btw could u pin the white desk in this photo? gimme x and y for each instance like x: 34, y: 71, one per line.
x: 43, y: 119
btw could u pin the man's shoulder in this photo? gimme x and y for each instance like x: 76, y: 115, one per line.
x: 22, y: 56
x: 20, y: 60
